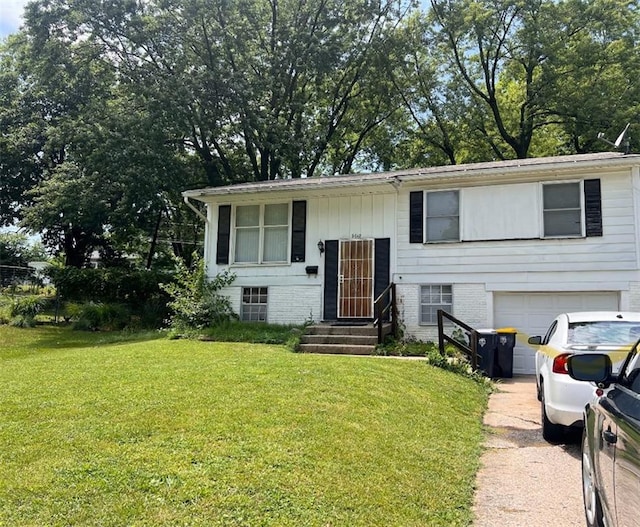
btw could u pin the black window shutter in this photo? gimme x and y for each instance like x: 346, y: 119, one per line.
x: 330, y: 279
x: 416, y: 217
x: 593, y: 207
x: 224, y: 231
x: 298, y: 231
x: 382, y: 267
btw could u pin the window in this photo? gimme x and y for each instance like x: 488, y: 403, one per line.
x: 562, y: 209
x: 550, y: 333
x: 432, y: 298
x: 442, y: 217
x: 254, y: 304
x: 261, y: 233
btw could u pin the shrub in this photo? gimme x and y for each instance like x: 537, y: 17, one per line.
x: 136, y: 291
x: 452, y: 360
x: 94, y: 316
x: 23, y: 309
x: 133, y: 287
x: 195, y: 301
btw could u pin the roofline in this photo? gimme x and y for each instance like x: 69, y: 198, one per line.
x: 418, y: 175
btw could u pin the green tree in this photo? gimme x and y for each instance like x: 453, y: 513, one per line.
x: 84, y: 161
x: 259, y: 89
x: 523, y: 77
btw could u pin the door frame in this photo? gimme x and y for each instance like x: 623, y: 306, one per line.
x: 356, y: 274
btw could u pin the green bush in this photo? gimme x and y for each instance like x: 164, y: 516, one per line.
x: 452, y: 360
x: 94, y: 316
x: 196, y: 302
x: 137, y: 291
x: 27, y: 306
x: 23, y: 309
x: 133, y: 287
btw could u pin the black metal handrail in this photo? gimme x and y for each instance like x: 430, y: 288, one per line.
x: 381, y: 309
x: 471, y: 351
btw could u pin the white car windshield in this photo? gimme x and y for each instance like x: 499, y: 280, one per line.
x: 612, y: 332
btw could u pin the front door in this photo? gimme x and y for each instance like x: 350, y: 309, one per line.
x: 355, y: 279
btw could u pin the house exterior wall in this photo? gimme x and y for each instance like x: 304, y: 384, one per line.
x: 501, y: 249
x: 294, y: 295
x: 470, y: 305
x: 287, y: 305
x: 484, y: 265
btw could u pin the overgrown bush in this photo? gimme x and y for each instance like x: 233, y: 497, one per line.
x: 23, y: 309
x: 93, y: 316
x: 135, y: 290
x: 196, y: 302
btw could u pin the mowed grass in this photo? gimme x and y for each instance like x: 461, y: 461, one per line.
x: 157, y: 432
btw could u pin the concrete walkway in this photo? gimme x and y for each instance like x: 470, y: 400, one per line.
x: 523, y: 480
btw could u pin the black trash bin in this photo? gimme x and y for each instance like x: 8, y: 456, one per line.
x: 506, y: 341
x: 486, y: 348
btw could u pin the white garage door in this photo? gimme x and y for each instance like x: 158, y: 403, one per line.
x: 532, y: 313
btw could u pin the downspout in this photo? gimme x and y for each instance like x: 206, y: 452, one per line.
x: 194, y: 209
x: 204, y: 218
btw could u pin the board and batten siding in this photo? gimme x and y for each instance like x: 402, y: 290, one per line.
x: 360, y: 216
x: 294, y: 295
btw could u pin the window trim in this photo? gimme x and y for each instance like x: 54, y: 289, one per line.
x: 580, y: 184
x: 421, y: 322
x: 261, y: 227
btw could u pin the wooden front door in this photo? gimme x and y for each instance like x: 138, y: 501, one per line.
x: 355, y: 279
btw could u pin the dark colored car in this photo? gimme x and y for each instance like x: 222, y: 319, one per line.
x: 611, y: 440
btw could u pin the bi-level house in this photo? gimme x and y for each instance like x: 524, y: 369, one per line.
x: 497, y: 244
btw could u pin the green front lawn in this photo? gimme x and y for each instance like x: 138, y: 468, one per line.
x: 153, y: 432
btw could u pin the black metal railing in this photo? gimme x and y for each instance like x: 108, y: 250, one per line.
x: 385, y: 306
x: 471, y: 350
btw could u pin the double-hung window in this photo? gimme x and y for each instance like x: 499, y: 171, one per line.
x: 562, y: 209
x: 262, y: 233
x: 432, y: 298
x: 443, y: 216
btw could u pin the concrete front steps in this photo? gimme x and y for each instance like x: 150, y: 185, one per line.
x: 341, y: 338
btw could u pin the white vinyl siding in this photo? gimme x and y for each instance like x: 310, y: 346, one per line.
x: 501, y: 212
x: 526, y: 261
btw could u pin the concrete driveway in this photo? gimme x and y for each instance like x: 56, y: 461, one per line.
x: 523, y: 480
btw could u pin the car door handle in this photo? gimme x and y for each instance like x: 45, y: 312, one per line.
x: 610, y: 437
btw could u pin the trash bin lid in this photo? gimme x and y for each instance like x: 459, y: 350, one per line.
x: 507, y: 330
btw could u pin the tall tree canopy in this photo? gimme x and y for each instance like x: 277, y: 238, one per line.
x: 257, y: 89
x: 522, y: 77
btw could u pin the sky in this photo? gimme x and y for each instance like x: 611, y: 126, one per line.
x: 10, y: 16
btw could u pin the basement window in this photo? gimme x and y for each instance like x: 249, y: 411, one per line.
x: 432, y: 298
x: 254, y: 304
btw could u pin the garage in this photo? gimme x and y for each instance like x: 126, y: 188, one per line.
x: 532, y: 313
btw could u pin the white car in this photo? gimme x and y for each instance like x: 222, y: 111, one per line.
x: 563, y: 399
